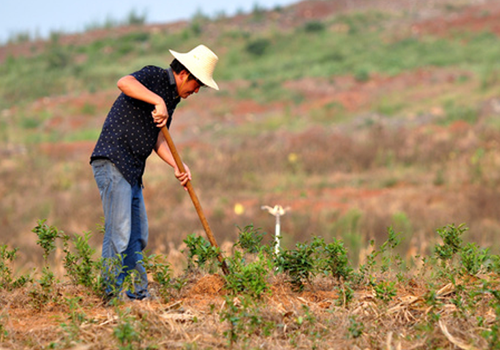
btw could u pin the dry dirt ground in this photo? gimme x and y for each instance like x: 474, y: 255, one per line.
x: 193, y: 318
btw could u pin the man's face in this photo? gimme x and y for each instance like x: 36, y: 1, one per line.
x: 187, y: 86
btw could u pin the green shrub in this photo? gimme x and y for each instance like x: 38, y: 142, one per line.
x: 314, y: 27
x: 452, y: 241
x: 250, y: 239
x: 80, y: 266
x: 334, y: 259
x: 7, y: 279
x: 199, y: 248
x: 47, y: 236
x: 473, y: 259
x: 258, y: 47
x: 161, y: 272
x: 248, y: 278
x: 299, y: 263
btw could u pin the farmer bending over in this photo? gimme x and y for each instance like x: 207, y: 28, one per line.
x: 130, y: 133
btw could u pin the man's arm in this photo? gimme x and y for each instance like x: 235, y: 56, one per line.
x: 131, y: 87
x: 164, y: 153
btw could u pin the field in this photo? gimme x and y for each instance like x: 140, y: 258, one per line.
x: 359, y: 116
x: 308, y: 297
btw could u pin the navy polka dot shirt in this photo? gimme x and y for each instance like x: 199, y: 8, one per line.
x: 129, y: 133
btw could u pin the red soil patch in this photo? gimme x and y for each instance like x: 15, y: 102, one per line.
x: 480, y: 18
x: 208, y: 285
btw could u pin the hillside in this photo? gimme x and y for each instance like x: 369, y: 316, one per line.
x: 416, y: 131
x: 358, y: 115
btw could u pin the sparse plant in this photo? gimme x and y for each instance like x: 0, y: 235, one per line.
x: 297, y: 263
x: 452, y: 242
x: 389, y: 258
x: 334, y: 259
x: 250, y: 239
x: 47, y: 236
x: 200, y: 248
x: 473, y: 259
x: 43, y: 292
x: 364, y: 272
x: 385, y: 291
x: 80, y: 266
x: 76, y: 318
x: 251, y: 278
x: 111, y: 270
x: 7, y: 279
x: 126, y: 330
x: 346, y: 294
x: 161, y: 272
x: 245, y: 318
x: 355, y: 328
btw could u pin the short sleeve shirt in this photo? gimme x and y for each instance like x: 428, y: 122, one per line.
x: 129, y: 133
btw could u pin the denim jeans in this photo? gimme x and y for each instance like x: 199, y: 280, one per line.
x: 126, y: 229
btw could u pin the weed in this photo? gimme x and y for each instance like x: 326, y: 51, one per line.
x: 199, y: 247
x: 492, y: 334
x: 126, y: 331
x: 346, y: 294
x: 79, y: 266
x: 245, y: 318
x: 250, y: 239
x: 42, y: 293
x: 7, y: 280
x: 473, y: 259
x: 355, y: 328
x: 47, y: 236
x: 76, y: 318
x: 452, y: 242
x: 250, y: 278
x: 297, y: 263
x: 334, y: 259
x: 385, y: 291
x: 161, y: 272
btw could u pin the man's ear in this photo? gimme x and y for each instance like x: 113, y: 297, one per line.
x: 184, y: 74
x: 181, y: 78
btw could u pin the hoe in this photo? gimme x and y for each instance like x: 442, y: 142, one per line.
x: 194, y: 198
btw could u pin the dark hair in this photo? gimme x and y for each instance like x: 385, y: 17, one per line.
x: 178, y: 67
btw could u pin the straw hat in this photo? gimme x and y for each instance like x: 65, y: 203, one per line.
x: 200, y: 62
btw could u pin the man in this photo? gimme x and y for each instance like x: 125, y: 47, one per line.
x: 130, y: 133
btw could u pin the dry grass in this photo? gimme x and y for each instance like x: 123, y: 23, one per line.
x: 283, y: 319
x: 415, y: 179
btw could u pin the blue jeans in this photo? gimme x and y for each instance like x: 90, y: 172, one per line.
x: 126, y: 229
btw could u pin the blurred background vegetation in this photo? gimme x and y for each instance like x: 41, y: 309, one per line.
x: 357, y: 118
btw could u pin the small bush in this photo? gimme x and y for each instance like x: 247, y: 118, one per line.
x: 299, y: 264
x: 200, y: 248
x: 248, y: 278
x: 250, y: 239
x: 258, y: 47
x: 314, y: 27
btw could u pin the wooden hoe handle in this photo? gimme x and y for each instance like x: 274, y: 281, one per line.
x: 194, y: 198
